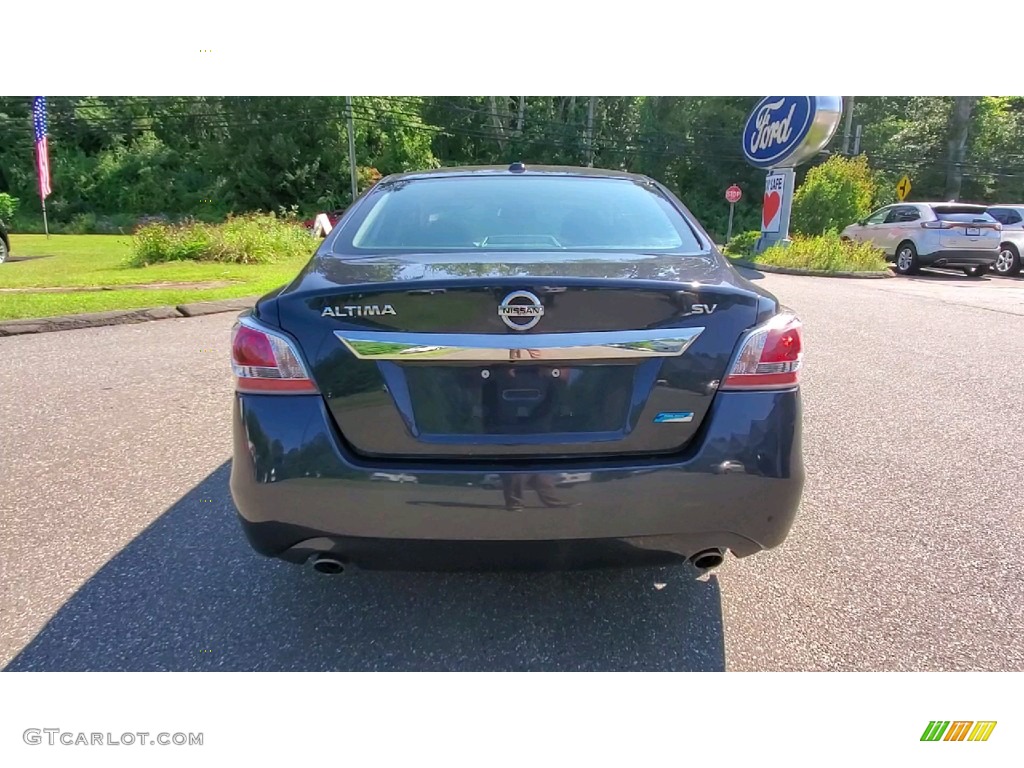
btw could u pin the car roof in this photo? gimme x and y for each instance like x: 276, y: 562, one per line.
x: 1016, y: 206
x: 943, y: 203
x: 505, y: 170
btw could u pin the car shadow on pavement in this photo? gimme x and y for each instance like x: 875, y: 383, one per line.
x: 189, y: 594
x: 931, y: 275
x: 15, y: 259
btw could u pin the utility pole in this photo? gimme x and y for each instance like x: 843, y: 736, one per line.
x: 851, y: 102
x: 352, y: 149
x: 956, y: 140
x: 856, y: 140
x: 590, y: 132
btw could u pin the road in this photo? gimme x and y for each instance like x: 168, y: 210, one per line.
x: 119, y: 550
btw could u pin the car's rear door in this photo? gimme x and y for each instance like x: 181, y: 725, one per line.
x: 625, y: 357
x: 901, y: 223
x: 966, y: 228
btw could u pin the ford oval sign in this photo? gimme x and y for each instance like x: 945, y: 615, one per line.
x: 784, y: 131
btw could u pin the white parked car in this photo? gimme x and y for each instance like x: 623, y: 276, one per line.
x: 5, y: 244
x: 948, y: 235
x: 1011, y: 217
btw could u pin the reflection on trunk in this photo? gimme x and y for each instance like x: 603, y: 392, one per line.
x: 514, y: 487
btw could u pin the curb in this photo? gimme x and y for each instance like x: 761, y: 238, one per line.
x: 122, y: 316
x: 213, y: 307
x: 809, y: 272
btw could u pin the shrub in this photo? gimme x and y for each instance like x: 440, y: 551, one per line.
x: 81, y: 224
x: 366, y: 177
x: 251, y: 239
x: 743, y: 243
x: 156, y: 243
x: 826, y: 253
x: 8, y: 206
x: 834, y: 195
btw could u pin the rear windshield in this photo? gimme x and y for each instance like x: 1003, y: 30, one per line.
x: 961, y: 213
x: 545, y: 213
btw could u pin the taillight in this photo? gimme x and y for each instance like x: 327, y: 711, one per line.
x: 769, y: 356
x: 935, y: 225
x: 265, y: 362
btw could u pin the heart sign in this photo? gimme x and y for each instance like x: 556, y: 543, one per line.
x: 772, y: 204
x: 771, y: 216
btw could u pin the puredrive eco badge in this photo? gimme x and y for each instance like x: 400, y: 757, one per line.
x: 958, y: 730
x: 520, y: 310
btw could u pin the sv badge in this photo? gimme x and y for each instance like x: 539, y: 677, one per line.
x: 703, y: 309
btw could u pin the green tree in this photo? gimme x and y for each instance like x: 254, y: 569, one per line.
x: 126, y: 156
x: 833, y: 195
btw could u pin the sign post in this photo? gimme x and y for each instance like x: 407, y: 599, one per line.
x: 322, y: 225
x: 774, y: 216
x: 733, y: 195
x: 903, y: 188
x: 351, y: 149
x: 781, y: 133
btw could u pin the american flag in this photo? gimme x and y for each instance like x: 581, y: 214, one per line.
x: 42, y: 150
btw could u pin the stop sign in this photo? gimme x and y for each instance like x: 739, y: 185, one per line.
x: 733, y: 194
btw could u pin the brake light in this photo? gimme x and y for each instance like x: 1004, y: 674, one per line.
x: 770, y: 356
x: 265, y: 362
x: 980, y: 223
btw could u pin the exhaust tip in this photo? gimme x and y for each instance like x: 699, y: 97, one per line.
x: 708, y: 559
x: 328, y: 565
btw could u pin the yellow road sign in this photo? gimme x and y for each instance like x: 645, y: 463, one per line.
x: 903, y: 188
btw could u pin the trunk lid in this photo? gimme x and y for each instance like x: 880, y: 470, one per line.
x: 511, y: 355
x: 967, y: 228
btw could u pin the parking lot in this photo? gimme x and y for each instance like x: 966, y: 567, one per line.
x: 119, y: 549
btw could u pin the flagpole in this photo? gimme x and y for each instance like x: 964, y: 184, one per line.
x: 42, y: 155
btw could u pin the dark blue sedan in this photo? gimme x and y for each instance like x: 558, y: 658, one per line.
x: 516, y: 367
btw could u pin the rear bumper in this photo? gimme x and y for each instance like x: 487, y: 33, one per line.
x: 299, y: 491
x: 959, y: 258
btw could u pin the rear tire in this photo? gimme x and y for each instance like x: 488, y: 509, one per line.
x: 1008, y: 261
x: 906, y: 259
x: 3, y: 250
x: 975, y: 271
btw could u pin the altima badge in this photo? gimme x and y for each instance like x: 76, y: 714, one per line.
x: 520, y: 310
x: 356, y: 310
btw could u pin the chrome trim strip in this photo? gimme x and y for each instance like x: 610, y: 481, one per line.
x: 493, y: 348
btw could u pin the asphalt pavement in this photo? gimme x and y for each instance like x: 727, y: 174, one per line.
x: 119, y: 549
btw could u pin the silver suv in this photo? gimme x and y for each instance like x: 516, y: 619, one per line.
x: 1011, y: 217
x: 949, y: 235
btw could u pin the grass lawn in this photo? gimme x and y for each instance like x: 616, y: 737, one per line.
x: 825, y: 253
x: 99, y: 260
